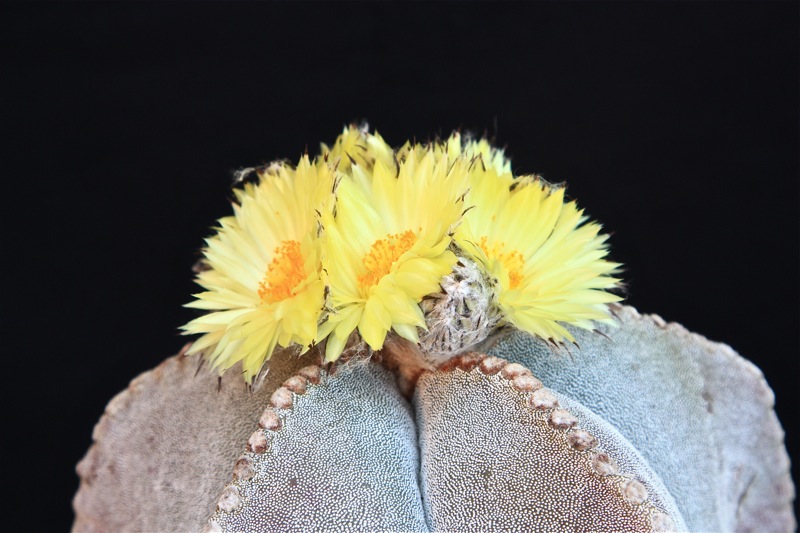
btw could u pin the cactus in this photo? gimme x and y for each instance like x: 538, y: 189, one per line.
x: 652, y: 428
x: 466, y: 411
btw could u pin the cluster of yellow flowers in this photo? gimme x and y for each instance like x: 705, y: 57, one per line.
x: 355, y: 238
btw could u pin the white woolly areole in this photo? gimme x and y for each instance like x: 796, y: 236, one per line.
x: 462, y: 315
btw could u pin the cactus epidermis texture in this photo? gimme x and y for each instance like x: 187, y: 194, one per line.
x: 650, y: 428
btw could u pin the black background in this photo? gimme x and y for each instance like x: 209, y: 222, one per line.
x: 675, y: 124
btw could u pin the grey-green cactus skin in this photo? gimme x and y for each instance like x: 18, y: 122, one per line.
x: 699, y: 413
x: 165, y: 446
x: 624, y: 434
x: 324, y: 466
x: 492, y: 460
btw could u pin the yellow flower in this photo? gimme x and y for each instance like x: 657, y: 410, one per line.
x: 479, y: 151
x: 353, y: 242
x: 356, y: 146
x: 473, y: 150
x: 549, y: 262
x: 263, y: 286
x: 387, y: 242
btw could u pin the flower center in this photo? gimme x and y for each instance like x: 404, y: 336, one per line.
x: 511, y: 260
x: 383, y: 254
x: 284, y: 273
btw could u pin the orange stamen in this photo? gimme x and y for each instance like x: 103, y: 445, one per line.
x: 511, y: 260
x: 383, y: 254
x: 284, y: 273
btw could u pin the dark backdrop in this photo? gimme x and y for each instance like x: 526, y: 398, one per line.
x: 675, y: 124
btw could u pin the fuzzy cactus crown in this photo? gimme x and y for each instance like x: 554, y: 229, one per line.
x: 437, y: 243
